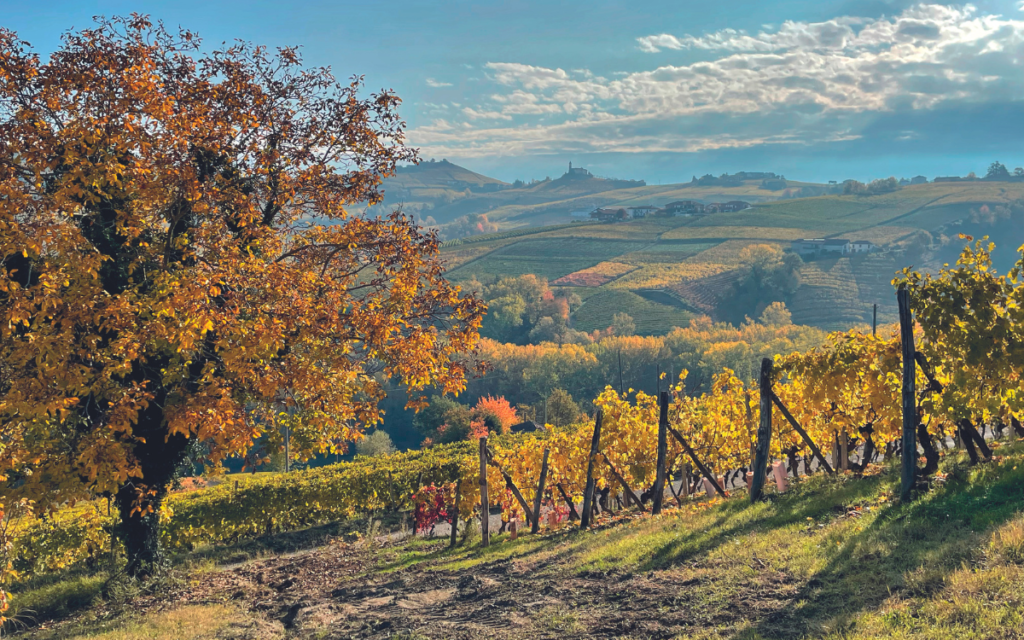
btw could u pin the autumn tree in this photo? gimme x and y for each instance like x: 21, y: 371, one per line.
x: 766, y: 275
x: 560, y: 409
x: 181, y: 271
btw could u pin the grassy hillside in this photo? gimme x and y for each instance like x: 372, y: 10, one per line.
x: 690, y: 260
x: 833, y: 558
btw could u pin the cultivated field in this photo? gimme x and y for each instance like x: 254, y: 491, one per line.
x: 690, y: 258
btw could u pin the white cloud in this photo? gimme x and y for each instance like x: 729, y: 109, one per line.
x: 473, y: 114
x: 800, y: 82
x: 436, y: 84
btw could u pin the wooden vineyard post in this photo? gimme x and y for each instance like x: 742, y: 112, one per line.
x: 874, y: 320
x: 630, y: 494
x: 540, y: 492
x: 588, y: 492
x: 835, y: 450
x: 485, y: 510
x: 573, y: 515
x: 844, y: 451
x: 509, y: 484
x: 455, y: 514
x: 659, y: 482
x: 909, y: 462
x: 764, y: 432
x: 287, y: 452
x: 620, y: 372
x: 113, y: 557
x: 704, y: 471
x: 803, y: 434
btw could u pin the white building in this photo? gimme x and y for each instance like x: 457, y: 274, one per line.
x: 580, y: 214
x: 862, y: 246
x: 815, y: 246
x: 831, y: 246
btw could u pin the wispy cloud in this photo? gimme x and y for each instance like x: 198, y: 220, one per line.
x: 803, y: 82
x: 436, y: 84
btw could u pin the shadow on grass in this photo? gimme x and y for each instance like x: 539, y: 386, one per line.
x: 817, y: 498
x: 287, y: 541
x: 907, y: 550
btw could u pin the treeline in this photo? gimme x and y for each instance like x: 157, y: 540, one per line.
x: 556, y: 382
x: 873, y: 188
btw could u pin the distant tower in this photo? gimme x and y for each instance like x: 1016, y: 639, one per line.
x: 570, y: 166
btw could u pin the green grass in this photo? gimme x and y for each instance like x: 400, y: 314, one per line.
x: 948, y: 565
x: 834, y: 557
x: 192, y: 622
x: 54, y: 596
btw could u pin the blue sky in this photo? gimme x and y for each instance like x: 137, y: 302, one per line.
x: 816, y: 90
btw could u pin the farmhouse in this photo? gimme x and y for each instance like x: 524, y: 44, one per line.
x: 862, y: 246
x: 815, y: 246
x: 684, y: 207
x: 720, y: 207
x: 609, y: 215
x: 642, y: 212
x: 735, y: 205
x: 840, y: 246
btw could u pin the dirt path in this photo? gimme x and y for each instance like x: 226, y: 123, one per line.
x: 334, y: 592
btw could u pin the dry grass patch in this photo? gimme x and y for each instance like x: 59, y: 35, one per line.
x: 195, y: 622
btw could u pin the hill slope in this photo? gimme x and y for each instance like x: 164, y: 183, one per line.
x: 691, y: 262
x: 831, y: 558
x: 441, y: 192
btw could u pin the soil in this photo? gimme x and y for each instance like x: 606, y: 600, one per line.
x: 335, y: 592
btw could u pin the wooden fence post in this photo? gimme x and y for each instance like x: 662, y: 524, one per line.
x: 540, y: 491
x: 704, y: 470
x: 485, y: 510
x: 844, y: 451
x: 909, y: 462
x: 455, y: 514
x: 874, y: 320
x: 764, y: 432
x: 803, y: 434
x: 588, y: 491
x: 659, y: 482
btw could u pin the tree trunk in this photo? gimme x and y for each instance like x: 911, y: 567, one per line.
x: 139, y: 499
x: 1017, y: 428
x: 931, y: 455
x: 866, y: 456
x: 970, y: 437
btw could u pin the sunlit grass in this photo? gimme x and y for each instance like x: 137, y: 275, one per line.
x: 856, y: 563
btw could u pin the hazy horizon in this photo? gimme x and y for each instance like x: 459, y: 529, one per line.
x: 816, y: 91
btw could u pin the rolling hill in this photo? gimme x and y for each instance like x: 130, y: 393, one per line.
x: 664, y: 270
x: 439, y: 193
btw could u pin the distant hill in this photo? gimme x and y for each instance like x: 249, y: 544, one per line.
x: 441, y: 193
x: 441, y: 174
x: 664, y: 270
